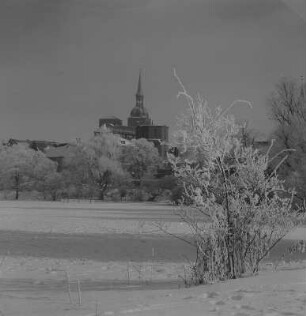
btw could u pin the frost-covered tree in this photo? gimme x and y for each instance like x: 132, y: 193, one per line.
x: 236, y: 213
x: 140, y: 158
x: 94, y: 166
x: 22, y: 168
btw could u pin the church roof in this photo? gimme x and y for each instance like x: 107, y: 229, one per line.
x: 138, y: 111
x: 110, y: 117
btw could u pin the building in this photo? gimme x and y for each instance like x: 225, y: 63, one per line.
x: 153, y: 132
x: 139, y: 115
x: 110, y: 121
x: 121, y: 130
x: 115, y: 125
x: 139, y: 124
x: 157, y: 134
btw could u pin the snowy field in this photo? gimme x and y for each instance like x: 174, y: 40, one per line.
x: 124, y: 265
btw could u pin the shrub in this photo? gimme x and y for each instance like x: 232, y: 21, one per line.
x: 235, y: 212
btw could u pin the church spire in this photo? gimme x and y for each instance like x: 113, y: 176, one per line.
x: 139, y: 87
x: 139, y: 94
x: 139, y: 115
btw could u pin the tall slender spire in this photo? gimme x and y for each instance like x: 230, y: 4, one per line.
x: 139, y: 114
x: 139, y: 94
x: 139, y: 87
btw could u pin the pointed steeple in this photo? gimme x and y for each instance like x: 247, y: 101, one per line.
x: 139, y: 114
x: 139, y: 87
x: 139, y: 94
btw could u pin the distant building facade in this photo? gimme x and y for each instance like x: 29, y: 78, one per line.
x: 139, y: 125
x: 114, y: 124
x: 110, y: 121
x: 160, y: 132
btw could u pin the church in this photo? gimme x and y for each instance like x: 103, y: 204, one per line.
x: 139, y: 124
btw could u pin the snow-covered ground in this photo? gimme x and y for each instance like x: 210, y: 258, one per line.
x: 35, y: 269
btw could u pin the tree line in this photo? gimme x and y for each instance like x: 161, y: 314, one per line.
x: 95, y: 169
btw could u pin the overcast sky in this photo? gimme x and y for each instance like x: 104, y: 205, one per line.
x: 65, y: 63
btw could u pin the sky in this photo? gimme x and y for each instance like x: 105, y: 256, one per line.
x: 66, y: 63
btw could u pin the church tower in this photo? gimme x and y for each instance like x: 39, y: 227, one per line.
x: 139, y: 114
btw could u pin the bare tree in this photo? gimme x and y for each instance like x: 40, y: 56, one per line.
x: 287, y: 106
x: 287, y: 102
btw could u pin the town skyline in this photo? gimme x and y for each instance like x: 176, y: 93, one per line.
x: 65, y: 64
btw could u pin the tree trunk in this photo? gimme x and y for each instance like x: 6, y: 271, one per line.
x: 17, y: 183
x: 103, y: 184
x: 101, y: 195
